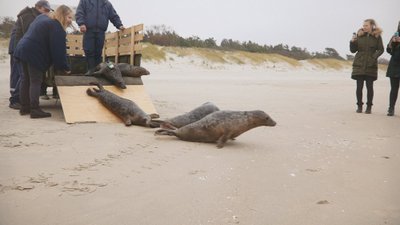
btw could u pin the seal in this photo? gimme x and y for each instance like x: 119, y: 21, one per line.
x: 220, y: 126
x: 110, y: 72
x: 128, y: 70
x: 190, y: 117
x: 124, y: 108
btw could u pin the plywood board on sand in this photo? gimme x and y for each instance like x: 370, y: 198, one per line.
x: 78, y: 107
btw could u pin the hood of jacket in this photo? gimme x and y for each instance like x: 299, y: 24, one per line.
x: 28, y: 10
x: 376, y: 32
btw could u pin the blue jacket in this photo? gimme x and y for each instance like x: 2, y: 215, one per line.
x: 95, y: 14
x: 43, y: 45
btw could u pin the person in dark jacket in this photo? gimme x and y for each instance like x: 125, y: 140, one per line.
x: 92, y: 16
x: 393, y: 71
x: 15, y: 74
x: 24, y: 19
x: 369, y: 46
x: 43, y: 45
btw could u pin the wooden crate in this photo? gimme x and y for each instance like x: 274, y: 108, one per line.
x: 117, y: 45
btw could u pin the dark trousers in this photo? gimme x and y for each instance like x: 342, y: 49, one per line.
x: 15, y: 79
x: 31, y: 82
x: 370, y: 89
x: 93, y: 43
x: 394, y: 91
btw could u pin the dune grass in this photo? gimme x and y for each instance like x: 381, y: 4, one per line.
x: 158, y: 53
x: 330, y: 63
x: 153, y: 52
x: 211, y: 55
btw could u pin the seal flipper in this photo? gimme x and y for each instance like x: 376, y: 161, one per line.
x: 165, y: 132
x: 222, y: 140
x: 154, y: 116
x: 155, y: 123
x: 166, y: 125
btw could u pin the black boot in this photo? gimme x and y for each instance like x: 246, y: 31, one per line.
x: 38, y: 113
x: 391, y: 111
x: 368, y: 110
x: 359, y: 109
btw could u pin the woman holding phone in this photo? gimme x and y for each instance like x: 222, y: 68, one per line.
x: 368, y: 46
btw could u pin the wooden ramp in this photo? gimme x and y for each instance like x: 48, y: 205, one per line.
x: 78, y: 107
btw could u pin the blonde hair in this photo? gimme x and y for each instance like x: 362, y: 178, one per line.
x: 60, y: 14
x: 372, y: 22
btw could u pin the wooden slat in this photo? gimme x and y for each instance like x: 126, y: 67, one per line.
x: 125, y: 41
x: 80, y: 80
x: 74, y: 37
x: 139, y: 37
x: 138, y: 28
x: 124, y: 33
x: 111, y: 44
x: 124, y: 49
x: 74, y: 45
x: 111, y: 51
x: 75, y: 52
x: 111, y: 35
x: 138, y: 47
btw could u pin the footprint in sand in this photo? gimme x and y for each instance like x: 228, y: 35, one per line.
x: 313, y: 170
x: 76, y: 188
x: 323, y: 202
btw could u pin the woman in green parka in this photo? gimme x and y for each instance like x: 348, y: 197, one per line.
x: 393, y: 71
x: 368, y: 46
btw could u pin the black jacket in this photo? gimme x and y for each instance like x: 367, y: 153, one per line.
x: 25, y: 18
x: 394, y: 64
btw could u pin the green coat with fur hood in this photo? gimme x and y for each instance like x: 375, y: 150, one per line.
x: 368, y: 47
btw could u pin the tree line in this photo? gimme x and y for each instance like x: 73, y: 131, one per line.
x: 6, y: 25
x: 165, y: 36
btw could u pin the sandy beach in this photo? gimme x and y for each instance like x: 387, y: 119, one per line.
x: 323, y: 164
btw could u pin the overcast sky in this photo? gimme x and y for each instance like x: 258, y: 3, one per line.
x: 311, y: 24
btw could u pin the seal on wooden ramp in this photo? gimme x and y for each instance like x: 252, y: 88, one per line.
x: 125, y: 109
x: 110, y: 72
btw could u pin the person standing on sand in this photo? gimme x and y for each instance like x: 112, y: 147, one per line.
x: 24, y: 19
x: 92, y: 16
x: 393, y: 71
x: 368, y: 46
x: 43, y: 45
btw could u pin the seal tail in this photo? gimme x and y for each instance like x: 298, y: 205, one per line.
x: 165, y: 132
